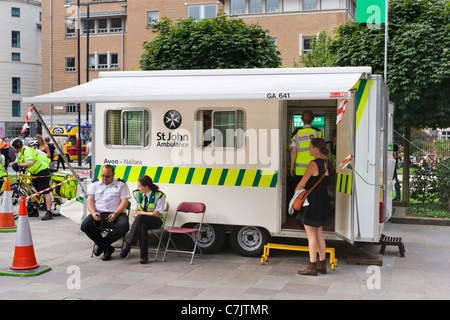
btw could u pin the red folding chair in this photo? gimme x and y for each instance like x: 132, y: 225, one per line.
x: 186, y: 207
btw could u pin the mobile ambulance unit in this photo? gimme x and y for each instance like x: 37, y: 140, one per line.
x: 222, y: 137
x: 69, y: 134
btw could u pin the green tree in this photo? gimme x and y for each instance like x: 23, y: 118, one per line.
x: 213, y: 43
x: 320, y: 54
x: 418, y: 63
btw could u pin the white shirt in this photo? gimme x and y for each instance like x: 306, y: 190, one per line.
x: 159, y: 206
x: 107, y: 197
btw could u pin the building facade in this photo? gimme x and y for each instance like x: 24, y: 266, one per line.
x: 118, y: 28
x: 20, y: 61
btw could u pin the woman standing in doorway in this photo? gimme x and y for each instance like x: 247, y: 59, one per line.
x: 318, y: 213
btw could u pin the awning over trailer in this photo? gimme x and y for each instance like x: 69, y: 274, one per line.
x: 228, y: 84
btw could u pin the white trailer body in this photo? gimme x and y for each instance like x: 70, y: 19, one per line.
x: 154, y: 122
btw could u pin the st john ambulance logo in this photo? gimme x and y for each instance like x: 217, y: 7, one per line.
x: 172, y: 119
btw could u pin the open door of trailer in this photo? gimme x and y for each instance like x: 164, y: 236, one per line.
x: 344, y: 214
x: 358, y: 185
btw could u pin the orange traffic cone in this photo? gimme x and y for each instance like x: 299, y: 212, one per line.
x: 24, y: 262
x: 24, y: 257
x: 6, y: 213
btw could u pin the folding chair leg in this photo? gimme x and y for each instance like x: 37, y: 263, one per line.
x: 193, y: 252
x: 159, y: 245
x: 195, y: 248
x: 167, y: 247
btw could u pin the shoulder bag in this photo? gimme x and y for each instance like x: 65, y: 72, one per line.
x: 298, y: 202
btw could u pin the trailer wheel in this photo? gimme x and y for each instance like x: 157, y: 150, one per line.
x: 210, y: 238
x: 249, y: 241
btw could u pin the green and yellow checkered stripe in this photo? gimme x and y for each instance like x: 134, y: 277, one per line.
x: 198, y: 176
x: 344, y: 183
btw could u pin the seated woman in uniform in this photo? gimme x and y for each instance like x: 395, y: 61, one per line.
x: 149, y: 204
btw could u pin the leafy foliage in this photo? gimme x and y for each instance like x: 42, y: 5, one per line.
x: 209, y: 44
x: 443, y: 183
x: 423, y: 184
x: 320, y: 54
x: 418, y: 59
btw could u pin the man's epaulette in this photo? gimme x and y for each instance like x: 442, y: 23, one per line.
x: 317, y: 129
x: 118, y: 179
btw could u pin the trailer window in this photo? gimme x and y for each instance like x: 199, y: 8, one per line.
x: 221, y: 128
x: 127, y: 128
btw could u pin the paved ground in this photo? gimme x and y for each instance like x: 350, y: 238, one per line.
x: 422, y: 274
x: 226, y: 276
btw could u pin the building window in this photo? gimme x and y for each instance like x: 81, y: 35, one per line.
x: 220, y: 128
x: 102, y: 26
x: 114, y: 61
x: 309, y: 5
x: 127, y: 128
x: 329, y: 4
x: 102, y: 61
x: 15, y: 56
x: 116, y: 25
x: 256, y: 6
x: 15, y: 39
x: 70, y: 64
x: 152, y: 18
x: 15, y: 85
x: 16, y: 108
x: 307, y: 44
x: 71, y: 108
x: 272, y: 5
x: 92, y: 62
x: 70, y: 30
x: 70, y: 2
x: 15, y: 12
x: 204, y: 11
x: 237, y: 7
x: 91, y: 26
x: 304, y: 44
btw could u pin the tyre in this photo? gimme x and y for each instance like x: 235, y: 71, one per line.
x: 249, y: 241
x: 210, y: 238
x: 16, y: 193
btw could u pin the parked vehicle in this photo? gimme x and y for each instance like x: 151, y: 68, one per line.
x: 221, y: 137
x: 69, y: 135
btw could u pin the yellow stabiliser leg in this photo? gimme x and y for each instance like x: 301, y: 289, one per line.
x: 267, y: 247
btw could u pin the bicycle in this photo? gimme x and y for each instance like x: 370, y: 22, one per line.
x: 23, y: 187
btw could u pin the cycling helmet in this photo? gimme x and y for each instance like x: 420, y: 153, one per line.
x: 33, y: 143
x: 17, y: 143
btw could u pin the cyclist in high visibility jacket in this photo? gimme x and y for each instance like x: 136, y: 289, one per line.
x: 149, y: 204
x: 38, y: 166
x: 300, y: 157
x: 3, y: 172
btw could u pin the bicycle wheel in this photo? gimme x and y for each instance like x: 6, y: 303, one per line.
x: 16, y: 193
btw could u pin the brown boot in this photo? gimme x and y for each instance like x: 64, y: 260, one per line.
x: 311, y: 270
x: 322, y: 267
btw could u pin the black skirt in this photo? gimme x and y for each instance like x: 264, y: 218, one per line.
x: 318, y: 213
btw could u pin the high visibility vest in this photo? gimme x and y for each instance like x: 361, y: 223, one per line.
x: 3, y: 173
x: 302, y: 139
x: 42, y: 155
x: 30, y: 155
x: 151, y: 204
x: 332, y: 147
